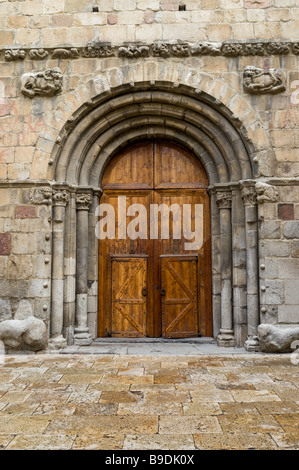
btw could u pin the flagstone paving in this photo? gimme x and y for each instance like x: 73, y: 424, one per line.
x: 114, y: 402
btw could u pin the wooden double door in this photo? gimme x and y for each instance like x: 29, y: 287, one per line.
x: 154, y: 254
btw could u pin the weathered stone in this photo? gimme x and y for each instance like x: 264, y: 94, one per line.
x: 30, y: 334
x: 277, y: 339
x: 286, y: 211
x: 5, y: 244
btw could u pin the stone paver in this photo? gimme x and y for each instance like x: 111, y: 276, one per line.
x: 153, y: 401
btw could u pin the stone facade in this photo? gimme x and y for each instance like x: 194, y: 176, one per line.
x: 220, y: 77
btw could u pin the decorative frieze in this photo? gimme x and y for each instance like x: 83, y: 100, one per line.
x: 44, y: 83
x: 179, y: 49
x: 259, y: 81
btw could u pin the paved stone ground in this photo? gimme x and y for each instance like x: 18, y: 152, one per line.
x: 160, y: 400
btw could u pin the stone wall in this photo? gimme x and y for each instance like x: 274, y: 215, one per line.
x: 206, y: 47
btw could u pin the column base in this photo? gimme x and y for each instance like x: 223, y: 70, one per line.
x: 82, y: 337
x: 226, y: 339
x: 252, y: 344
x: 57, y: 342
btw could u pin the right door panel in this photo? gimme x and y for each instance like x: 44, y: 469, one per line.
x: 179, y: 296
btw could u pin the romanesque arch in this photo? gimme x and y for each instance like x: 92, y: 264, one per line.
x: 86, y: 144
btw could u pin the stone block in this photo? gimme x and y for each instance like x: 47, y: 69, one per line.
x: 286, y: 211
x: 62, y: 21
x: 5, y: 244
x: 25, y: 212
x: 270, y: 229
x: 291, y: 229
x: 24, y: 310
x: 274, y: 292
x: 275, y: 248
x: 5, y: 310
x: 288, y: 314
x: 295, y: 249
x: 53, y: 6
x: 169, y: 5
x: 19, y: 267
x: 289, y: 269
x: 292, y: 292
x: 124, y: 5
x: 148, y: 4
x: 257, y: 3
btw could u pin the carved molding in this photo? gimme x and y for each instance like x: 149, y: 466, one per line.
x: 159, y: 49
x: 44, y: 83
x: 259, y: 81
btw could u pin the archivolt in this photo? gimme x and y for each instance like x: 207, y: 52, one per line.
x: 128, y: 113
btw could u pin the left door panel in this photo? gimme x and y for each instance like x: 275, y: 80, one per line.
x: 129, y: 296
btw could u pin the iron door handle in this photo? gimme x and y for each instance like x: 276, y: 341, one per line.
x: 144, y: 291
x: 163, y: 292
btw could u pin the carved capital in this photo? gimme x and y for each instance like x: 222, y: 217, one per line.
x: 83, y: 201
x: 249, y: 195
x: 61, y: 197
x: 224, y: 199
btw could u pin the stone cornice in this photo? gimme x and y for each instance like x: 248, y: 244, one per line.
x: 157, y: 49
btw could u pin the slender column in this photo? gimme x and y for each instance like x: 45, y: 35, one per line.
x: 249, y: 198
x: 60, y: 200
x: 226, y: 334
x: 82, y: 335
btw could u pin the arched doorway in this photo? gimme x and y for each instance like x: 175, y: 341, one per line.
x: 154, y: 249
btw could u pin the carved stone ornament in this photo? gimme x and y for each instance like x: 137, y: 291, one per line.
x: 249, y: 195
x: 72, y: 53
x: 46, y: 83
x: 132, y: 51
x: 266, y: 192
x: 38, y: 54
x: 161, y: 50
x: 83, y: 201
x: 206, y: 48
x: 14, y: 54
x: 259, y: 81
x: 98, y: 51
x: 224, y: 199
x: 41, y: 196
x: 61, y: 197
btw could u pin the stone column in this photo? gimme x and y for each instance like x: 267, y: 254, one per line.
x: 82, y: 335
x: 250, y: 201
x: 60, y: 200
x: 226, y: 334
